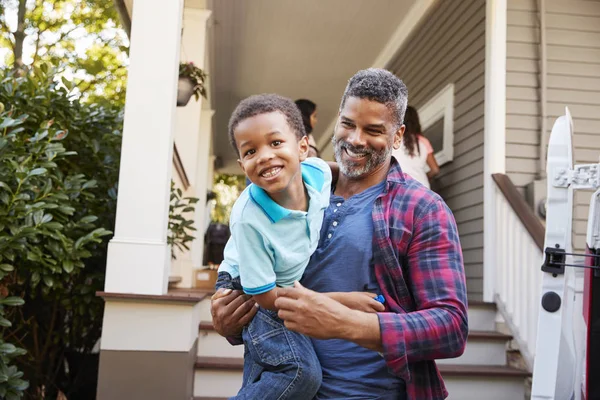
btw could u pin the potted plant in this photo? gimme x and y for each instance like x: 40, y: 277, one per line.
x: 191, y: 82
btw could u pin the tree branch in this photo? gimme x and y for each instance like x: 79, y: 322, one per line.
x: 19, y: 34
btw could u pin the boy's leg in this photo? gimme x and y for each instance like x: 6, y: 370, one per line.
x: 278, y: 363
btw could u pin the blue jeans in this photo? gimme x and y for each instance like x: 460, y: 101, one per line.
x: 278, y: 363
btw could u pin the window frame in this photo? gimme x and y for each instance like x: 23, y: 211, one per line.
x: 438, y: 106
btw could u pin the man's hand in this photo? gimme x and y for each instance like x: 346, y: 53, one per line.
x: 321, y: 317
x: 360, y: 301
x: 311, y: 313
x: 231, y: 310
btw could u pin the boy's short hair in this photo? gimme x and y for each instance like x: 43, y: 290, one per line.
x: 263, y: 104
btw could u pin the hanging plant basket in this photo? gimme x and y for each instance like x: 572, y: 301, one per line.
x: 191, y: 82
x: 185, y: 90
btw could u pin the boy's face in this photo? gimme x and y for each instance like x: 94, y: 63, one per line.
x: 270, y: 153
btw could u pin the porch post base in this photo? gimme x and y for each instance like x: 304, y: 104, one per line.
x: 140, y: 267
x: 146, y: 375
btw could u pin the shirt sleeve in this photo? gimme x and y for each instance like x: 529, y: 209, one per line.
x: 438, y: 327
x: 230, y: 262
x: 256, y: 259
x: 426, y: 144
x: 319, y: 173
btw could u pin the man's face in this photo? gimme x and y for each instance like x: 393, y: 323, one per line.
x: 364, y: 137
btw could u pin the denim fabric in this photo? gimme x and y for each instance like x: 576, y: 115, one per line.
x: 278, y: 363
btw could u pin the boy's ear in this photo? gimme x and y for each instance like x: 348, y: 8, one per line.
x: 241, y: 164
x: 398, y: 136
x: 303, y: 148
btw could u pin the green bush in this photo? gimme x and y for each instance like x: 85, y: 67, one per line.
x: 56, y: 207
x: 59, y: 164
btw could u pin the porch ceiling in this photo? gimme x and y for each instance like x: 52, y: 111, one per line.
x: 299, y: 49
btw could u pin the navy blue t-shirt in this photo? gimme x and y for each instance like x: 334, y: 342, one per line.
x: 343, y: 262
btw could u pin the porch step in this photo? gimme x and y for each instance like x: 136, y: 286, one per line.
x: 483, y: 348
x: 221, y: 376
x: 482, y: 316
x: 474, y: 382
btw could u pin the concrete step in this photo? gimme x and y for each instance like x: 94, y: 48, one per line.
x: 475, y: 382
x: 483, y: 348
x: 211, y: 344
x: 219, y: 376
x: 482, y: 316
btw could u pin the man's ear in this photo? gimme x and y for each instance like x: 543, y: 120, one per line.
x: 303, y: 148
x: 398, y: 136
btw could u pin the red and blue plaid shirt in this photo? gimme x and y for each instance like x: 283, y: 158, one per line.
x: 419, y: 268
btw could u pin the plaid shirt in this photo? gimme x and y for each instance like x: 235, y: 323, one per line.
x: 419, y: 268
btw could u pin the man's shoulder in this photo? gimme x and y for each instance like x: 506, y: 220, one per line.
x: 412, y: 195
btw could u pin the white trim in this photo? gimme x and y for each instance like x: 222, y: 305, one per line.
x: 411, y: 20
x: 441, y: 105
x: 494, y: 131
x: 149, y: 326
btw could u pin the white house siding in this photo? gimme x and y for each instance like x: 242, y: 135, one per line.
x: 573, y: 80
x: 449, y: 47
x: 522, y: 92
x: 573, y: 37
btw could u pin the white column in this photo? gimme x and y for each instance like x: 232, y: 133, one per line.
x: 494, y: 140
x: 203, y: 182
x: 189, y: 134
x: 193, y: 49
x: 138, y: 255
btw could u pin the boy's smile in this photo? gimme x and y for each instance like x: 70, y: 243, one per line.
x: 270, y: 154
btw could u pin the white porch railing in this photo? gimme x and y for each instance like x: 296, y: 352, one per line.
x: 518, y: 276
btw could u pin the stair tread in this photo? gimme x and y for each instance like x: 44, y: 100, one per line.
x: 222, y: 363
x: 209, y: 398
x: 237, y: 363
x: 491, y: 335
x: 479, y: 303
x: 482, y: 370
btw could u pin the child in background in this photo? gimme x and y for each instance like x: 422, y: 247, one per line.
x: 275, y: 225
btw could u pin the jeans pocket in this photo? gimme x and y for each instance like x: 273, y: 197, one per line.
x: 268, y: 339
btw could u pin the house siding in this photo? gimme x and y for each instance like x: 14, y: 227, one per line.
x: 449, y: 47
x: 572, y: 79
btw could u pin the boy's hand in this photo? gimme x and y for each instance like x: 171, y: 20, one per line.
x: 360, y: 301
x: 231, y: 310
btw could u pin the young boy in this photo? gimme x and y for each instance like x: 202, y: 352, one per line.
x: 275, y: 225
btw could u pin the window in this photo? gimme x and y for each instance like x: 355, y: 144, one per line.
x: 437, y: 123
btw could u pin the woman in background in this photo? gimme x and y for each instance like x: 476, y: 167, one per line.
x: 415, y: 154
x: 308, y: 109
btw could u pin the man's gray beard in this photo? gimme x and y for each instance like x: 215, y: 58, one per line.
x: 355, y: 170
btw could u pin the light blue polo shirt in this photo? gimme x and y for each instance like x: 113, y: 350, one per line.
x: 271, y: 245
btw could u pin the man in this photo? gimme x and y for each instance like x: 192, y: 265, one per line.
x: 386, y: 233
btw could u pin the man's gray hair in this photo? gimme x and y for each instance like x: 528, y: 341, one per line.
x: 379, y: 85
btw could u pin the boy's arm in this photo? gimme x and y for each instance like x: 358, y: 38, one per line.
x: 361, y: 301
x: 256, y: 263
x: 267, y: 299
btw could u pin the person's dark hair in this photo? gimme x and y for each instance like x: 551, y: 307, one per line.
x: 379, y: 85
x: 264, y: 104
x: 307, y: 108
x: 413, y: 128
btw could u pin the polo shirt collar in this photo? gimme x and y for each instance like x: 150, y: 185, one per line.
x: 274, y: 211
